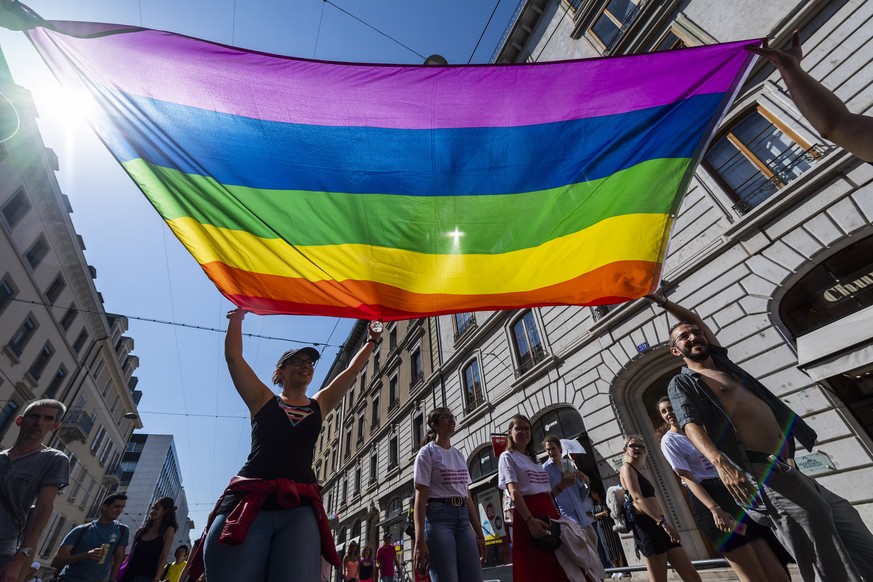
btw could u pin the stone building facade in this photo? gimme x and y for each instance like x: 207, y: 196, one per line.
x: 56, y: 339
x: 772, y: 246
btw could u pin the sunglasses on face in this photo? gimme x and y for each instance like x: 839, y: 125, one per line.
x: 521, y: 428
x: 637, y: 447
x: 300, y: 363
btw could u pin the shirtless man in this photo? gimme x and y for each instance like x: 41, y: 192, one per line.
x: 748, y: 434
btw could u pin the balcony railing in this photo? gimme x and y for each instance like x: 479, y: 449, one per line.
x: 474, y: 402
x: 112, y: 476
x: 76, y: 426
x: 784, y: 168
x: 530, y: 359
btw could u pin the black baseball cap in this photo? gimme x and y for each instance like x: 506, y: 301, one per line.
x: 311, y: 352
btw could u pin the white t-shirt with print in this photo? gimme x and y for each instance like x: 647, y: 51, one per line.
x: 443, y: 471
x: 683, y: 455
x: 518, y: 468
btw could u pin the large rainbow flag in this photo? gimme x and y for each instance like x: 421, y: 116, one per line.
x: 390, y: 192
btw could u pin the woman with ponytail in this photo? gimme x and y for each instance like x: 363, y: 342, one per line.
x: 447, y: 527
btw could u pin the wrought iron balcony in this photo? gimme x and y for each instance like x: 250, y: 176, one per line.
x: 784, y: 169
x: 112, y: 476
x: 530, y: 359
x: 474, y: 401
x: 76, y: 426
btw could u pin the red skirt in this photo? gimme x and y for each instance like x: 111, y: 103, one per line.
x: 529, y: 563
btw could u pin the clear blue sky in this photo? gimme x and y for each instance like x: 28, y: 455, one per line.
x: 143, y: 271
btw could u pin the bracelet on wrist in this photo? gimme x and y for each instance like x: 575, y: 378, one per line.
x: 663, y: 521
x: 528, y: 518
x: 714, y: 507
x: 370, y: 341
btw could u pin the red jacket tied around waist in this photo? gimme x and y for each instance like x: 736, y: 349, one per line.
x: 288, y: 494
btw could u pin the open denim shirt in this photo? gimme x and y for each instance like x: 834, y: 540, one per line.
x: 693, y: 401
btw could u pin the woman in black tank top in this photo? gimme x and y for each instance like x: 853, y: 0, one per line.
x: 151, y: 543
x: 281, y: 543
x: 655, y: 538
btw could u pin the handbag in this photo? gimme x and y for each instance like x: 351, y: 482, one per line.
x: 552, y: 540
x: 123, y: 569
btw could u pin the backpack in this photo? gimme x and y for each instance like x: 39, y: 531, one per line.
x: 621, y: 507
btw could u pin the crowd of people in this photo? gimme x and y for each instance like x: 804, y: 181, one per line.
x: 728, y: 438
x: 31, y: 474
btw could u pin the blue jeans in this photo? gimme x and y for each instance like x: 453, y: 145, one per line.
x: 280, y: 545
x: 451, y: 543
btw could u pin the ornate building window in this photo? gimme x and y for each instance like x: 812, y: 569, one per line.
x: 756, y: 156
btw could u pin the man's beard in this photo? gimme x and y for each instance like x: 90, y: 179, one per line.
x: 696, y: 356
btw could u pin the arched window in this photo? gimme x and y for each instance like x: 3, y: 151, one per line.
x: 526, y: 343
x: 473, y: 393
x: 341, y: 536
x: 565, y: 423
x: 356, y: 530
x: 482, y: 464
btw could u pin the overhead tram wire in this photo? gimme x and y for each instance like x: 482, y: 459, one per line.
x: 551, y: 36
x: 141, y: 412
x: 367, y: 24
x: 484, y: 30
x: 233, y: 26
x: 176, y: 342
x: 186, y: 325
x: 318, y: 34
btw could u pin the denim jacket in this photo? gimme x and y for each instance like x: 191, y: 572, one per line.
x: 693, y: 401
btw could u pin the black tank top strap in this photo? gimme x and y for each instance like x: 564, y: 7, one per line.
x: 646, y: 487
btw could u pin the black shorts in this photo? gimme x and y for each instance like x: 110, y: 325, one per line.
x: 724, y: 541
x: 650, y: 538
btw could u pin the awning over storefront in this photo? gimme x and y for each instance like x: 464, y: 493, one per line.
x: 838, y: 347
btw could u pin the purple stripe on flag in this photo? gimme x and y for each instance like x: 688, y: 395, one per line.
x: 196, y: 73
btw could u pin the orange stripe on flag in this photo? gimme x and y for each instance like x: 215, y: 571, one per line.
x: 258, y: 293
